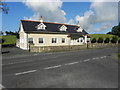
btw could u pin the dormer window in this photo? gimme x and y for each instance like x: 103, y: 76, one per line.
x: 41, y: 26
x: 79, y: 29
x: 63, y: 28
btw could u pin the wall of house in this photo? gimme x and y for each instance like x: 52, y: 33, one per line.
x: 23, y: 38
x: 47, y: 38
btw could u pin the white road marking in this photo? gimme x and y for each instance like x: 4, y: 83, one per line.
x: 101, y: 57
x: 93, y: 58
x: 26, y: 72
x: 86, y: 60
x: 72, y: 63
x: 97, y: 58
x: 53, y: 67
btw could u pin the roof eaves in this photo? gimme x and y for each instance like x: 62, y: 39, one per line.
x: 49, y: 22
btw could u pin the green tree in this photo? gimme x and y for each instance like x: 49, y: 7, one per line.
x: 3, y: 7
x: 116, y: 30
x: 93, y: 40
x: 2, y: 41
x: 107, y: 40
x: 114, y: 39
x: 100, y: 40
x: 118, y: 41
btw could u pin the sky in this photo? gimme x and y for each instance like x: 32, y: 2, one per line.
x: 94, y: 17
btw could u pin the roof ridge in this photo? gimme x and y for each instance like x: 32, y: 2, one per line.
x: 49, y: 22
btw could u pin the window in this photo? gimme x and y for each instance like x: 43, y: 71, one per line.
x: 30, y: 40
x: 41, y: 26
x: 63, y: 28
x: 41, y: 40
x: 63, y: 40
x: 80, y: 40
x: 54, y: 40
x: 79, y: 29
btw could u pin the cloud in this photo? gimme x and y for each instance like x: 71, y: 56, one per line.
x: 103, y: 13
x: 50, y: 10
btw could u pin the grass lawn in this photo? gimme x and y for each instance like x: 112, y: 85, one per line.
x: 104, y: 36
x: 9, y: 39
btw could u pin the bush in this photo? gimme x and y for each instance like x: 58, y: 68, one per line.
x: 114, y: 40
x: 93, y: 40
x: 100, y: 40
x: 118, y: 41
x: 2, y: 41
x: 107, y: 40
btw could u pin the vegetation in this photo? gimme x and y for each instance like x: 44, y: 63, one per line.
x: 2, y: 41
x: 114, y: 39
x: 107, y: 40
x: 118, y: 41
x: 9, y: 39
x: 3, y: 7
x: 104, y: 36
x: 93, y: 40
x: 11, y: 33
x: 100, y: 40
x: 118, y: 55
x: 115, y: 30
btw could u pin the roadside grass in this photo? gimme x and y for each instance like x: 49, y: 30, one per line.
x: 104, y: 36
x: 9, y: 39
x: 118, y: 55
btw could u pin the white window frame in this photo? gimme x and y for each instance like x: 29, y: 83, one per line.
x: 52, y: 40
x: 41, y: 26
x: 63, y: 28
x: 64, y: 40
x: 32, y: 40
x: 79, y: 29
x: 79, y: 40
x: 42, y: 40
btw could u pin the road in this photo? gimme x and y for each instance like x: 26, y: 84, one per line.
x: 92, y: 68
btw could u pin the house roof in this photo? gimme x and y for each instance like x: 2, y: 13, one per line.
x: 30, y: 26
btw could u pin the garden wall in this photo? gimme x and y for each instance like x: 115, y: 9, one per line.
x: 69, y: 48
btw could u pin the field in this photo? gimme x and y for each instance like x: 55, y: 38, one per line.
x: 104, y: 36
x: 9, y: 39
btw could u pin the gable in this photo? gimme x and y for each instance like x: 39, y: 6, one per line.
x: 63, y: 28
x: 21, y: 29
x: 41, y: 26
x: 79, y: 29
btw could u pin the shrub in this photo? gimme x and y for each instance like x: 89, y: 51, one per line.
x: 93, y: 40
x: 2, y: 41
x: 118, y: 41
x: 114, y: 39
x: 100, y: 40
x: 107, y: 40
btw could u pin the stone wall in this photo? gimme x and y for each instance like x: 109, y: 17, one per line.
x: 69, y: 48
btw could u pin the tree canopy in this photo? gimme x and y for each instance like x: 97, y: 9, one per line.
x: 115, y: 30
x: 3, y: 7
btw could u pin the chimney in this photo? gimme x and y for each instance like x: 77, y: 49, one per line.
x: 78, y: 24
x: 41, y: 20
